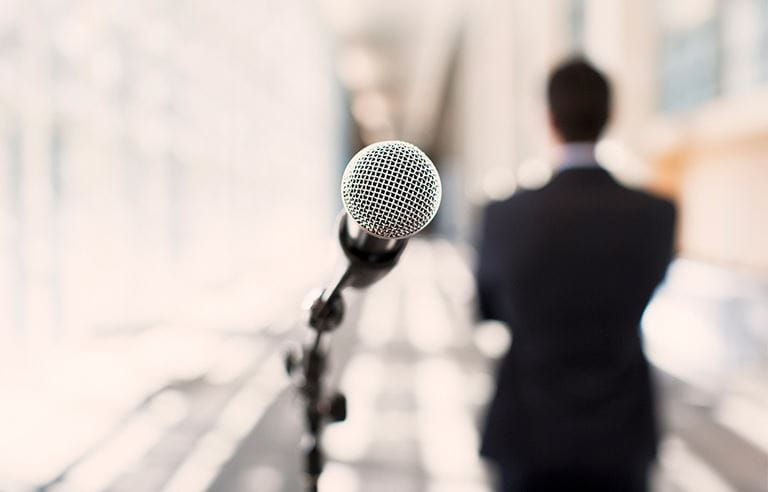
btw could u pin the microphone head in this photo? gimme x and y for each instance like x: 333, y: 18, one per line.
x: 391, y: 189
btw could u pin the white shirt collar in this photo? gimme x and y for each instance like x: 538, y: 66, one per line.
x: 578, y: 155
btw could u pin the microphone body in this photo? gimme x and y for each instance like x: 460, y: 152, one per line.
x: 390, y: 191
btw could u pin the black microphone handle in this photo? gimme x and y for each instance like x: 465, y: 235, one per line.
x: 368, y: 257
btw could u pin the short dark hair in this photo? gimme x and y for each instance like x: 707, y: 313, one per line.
x: 579, y: 100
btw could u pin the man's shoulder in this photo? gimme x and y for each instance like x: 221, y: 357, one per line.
x: 658, y: 204
x: 519, y: 200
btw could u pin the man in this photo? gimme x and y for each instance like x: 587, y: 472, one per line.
x: 570, y: 268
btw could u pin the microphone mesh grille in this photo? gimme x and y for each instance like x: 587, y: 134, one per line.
x: 391, y: 189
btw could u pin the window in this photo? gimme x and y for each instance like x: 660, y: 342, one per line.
x: 690, y: 61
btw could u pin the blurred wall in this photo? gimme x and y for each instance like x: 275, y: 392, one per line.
x: 154, y: 152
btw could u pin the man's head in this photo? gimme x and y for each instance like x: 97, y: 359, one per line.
x: 579, y: 99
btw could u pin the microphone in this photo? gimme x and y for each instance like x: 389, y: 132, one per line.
x: 390, y: 191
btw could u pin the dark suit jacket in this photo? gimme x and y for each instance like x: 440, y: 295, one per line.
x: 570, y: 268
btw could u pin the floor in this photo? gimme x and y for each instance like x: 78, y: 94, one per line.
x: 417, y: 372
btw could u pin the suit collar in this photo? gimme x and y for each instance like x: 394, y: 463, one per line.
x: 590, y: 173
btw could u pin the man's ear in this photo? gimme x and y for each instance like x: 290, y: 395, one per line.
x: 553, y: 130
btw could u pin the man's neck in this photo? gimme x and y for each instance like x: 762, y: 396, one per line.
x: 577, y: 155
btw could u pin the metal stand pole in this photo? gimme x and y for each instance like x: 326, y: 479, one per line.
x: 326, y: 314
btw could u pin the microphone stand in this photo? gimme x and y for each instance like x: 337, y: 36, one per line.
x: 369, y: 259
x: 326, y: 313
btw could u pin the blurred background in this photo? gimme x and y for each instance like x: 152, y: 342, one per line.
x: 169, y: 179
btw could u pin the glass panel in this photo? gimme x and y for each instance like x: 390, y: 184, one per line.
x: 690, y: 61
